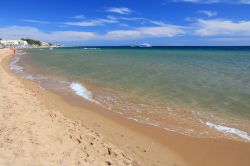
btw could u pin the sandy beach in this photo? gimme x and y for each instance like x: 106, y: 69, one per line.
x: 33, y: 134
x: 41, y: 128
x: 34, y: 131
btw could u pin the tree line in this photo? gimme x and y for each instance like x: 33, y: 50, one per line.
x: 32, y: 42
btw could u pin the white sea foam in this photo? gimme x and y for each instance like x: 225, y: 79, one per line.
x: 90, y: 48
x: 229, y: 130
x: 14, y: 67
x: 13, y: 64
x: 80, y: 90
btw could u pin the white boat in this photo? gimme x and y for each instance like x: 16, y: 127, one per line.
x: 51, y: 48
x: 145, y: 45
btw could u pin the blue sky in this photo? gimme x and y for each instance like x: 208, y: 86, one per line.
x: 128, y: 22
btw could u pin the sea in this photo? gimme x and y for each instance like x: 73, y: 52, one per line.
x: 197, y: 91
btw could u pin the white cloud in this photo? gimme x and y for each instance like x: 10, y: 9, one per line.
x: 215, y: 1
x: 96, y: 22
x: 34, y: 21
x: 231, y: 39
x: 144, y: 32
x: 122, y: 34
x: 115, y: 20
x: 109, y: 20
x: 119, y: 10
x: 159, y: 23
x: 245, y: 1
x: 131, y: 18
x: 162, y: 31
x: 208, y: 13
x: 218, y: 28
x: 241, y: 1
x: 84, y: 23
x: 17, y: 32
x: 78, y: 17
x: 72, y: 36
x: 199, y: 1
x: 222, y: 27
x: 139, y: 20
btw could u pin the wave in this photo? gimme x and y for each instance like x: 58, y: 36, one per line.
x: 80, y: 90
x: 229, y: 130
x: 13, y: 64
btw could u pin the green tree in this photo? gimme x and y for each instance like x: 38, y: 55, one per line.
x: 32, y: 42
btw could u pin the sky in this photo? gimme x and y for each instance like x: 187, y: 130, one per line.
x: 128, y: 22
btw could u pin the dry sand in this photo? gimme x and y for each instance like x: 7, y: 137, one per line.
x: 41, y: 128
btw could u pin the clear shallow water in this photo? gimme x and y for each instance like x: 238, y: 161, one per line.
x: 192, y: 90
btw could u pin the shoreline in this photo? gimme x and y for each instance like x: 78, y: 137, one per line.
x: 149, y: 144
x: 139, y: 149
x: 171, y: 116
x: 33, y: 133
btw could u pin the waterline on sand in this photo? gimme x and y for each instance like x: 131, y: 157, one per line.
x: 229, y: 130
x: 146, y: 107
x: 82, y: 91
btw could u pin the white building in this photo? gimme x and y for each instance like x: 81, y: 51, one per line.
x: 45, y: 44
x: 13, y: 43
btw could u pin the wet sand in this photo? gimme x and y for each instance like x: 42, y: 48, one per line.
x: 47, y: 127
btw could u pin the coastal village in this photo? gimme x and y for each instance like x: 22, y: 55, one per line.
x: 26, y: 43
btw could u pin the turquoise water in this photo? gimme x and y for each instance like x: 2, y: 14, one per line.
x: 212, y: 80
